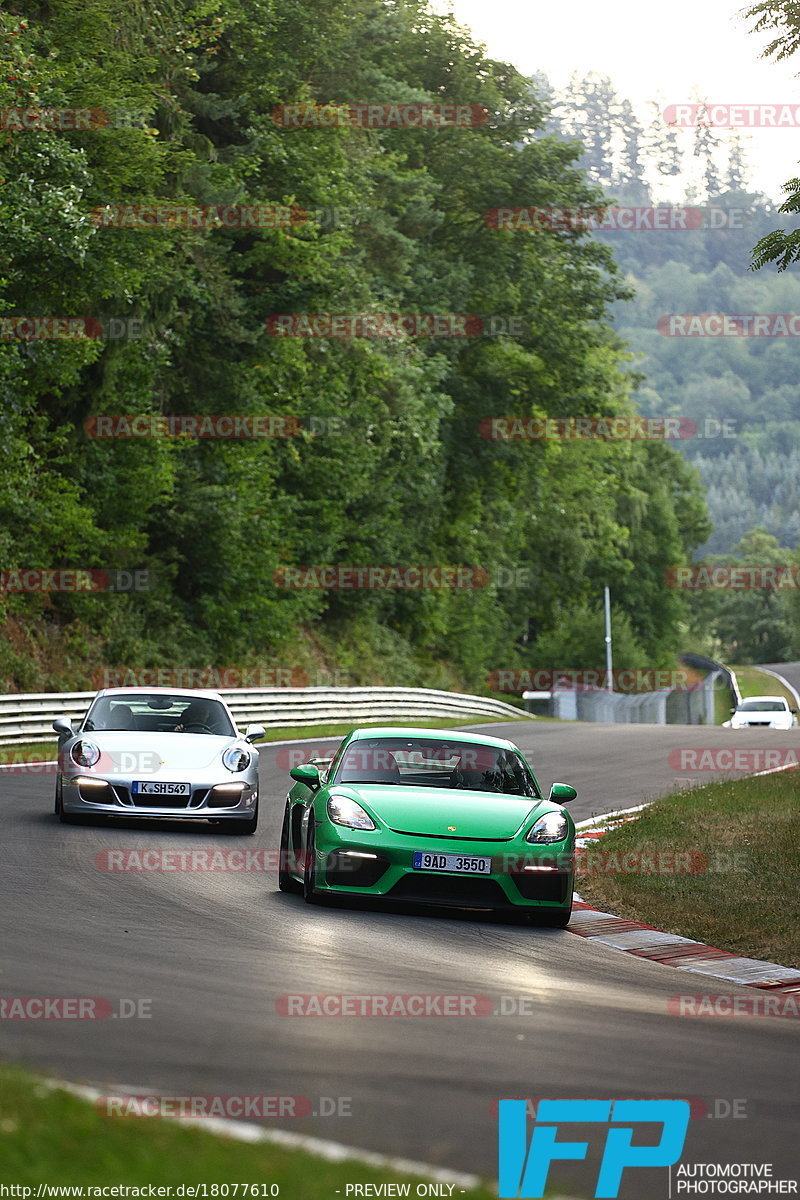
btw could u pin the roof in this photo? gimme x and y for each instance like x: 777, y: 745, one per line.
x: 386, y: 731
x: 161, y: 691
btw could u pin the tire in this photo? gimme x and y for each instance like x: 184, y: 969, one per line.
x: 64, y: 818
x: 310, y: 893
x: 242, y: 828
x: 286, y: 882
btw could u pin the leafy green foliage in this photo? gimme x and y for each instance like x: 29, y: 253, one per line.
x: 395, y: 224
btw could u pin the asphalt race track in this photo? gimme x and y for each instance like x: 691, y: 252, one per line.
x: 213, y: 951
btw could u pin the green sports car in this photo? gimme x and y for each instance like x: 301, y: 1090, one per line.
x: 430, y: 816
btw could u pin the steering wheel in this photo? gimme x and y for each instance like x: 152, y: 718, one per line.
x: 195, y: 726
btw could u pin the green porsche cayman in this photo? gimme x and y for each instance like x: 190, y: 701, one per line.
x: 430, y: 816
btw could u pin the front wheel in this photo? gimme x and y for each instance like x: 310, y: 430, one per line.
x: 286, y: 881
x: 310, y: 893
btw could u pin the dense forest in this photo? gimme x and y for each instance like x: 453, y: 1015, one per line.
x: 380, y: 459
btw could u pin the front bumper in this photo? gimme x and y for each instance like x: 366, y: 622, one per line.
x: 118, y: 799
x: 523, y: 875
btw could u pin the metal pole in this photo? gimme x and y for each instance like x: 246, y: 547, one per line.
x: 609, y: 660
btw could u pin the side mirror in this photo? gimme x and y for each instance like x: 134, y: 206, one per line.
x: 63, y: 726
x: 306, y: 773
x: 254, y: 733
x: 562, y: 793
x: 793, y: 710
x: 733, y: 710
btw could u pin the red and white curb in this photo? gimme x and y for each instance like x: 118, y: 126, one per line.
x: 644, y: 941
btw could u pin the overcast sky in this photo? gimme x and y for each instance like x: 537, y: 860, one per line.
x: 650, y: 51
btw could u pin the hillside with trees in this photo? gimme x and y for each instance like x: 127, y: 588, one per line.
x: 381, y: 220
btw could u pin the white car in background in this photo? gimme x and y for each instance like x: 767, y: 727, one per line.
x: 765, y: 712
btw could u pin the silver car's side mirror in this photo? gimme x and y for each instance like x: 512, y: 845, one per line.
x: 254, y: 732
x: 63, y: 726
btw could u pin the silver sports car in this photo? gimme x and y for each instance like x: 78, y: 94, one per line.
x: 158, y: 752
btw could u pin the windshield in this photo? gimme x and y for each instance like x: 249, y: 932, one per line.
x: 762, y: 706
x: 158, y: 713
x: 437, y: 763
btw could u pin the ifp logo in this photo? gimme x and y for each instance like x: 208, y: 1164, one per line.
x: 523, y: 1170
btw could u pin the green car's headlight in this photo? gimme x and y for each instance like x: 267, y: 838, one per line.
x: 344, y: 811
x: 552, y: 827
x: 236, y: 759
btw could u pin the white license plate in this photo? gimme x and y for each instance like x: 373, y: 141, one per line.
x: 466, y: 864
x: 155, y: 788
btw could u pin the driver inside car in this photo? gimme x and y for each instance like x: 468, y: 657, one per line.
x: 197, y: 717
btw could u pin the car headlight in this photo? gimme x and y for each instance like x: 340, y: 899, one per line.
x: 236, y: 759
x: 84, y: 753
x: 552, y: 827
x: 344, y: 811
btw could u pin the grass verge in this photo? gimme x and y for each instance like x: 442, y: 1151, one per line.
x: 753, y: 682
x: 746, y: 900
x: 50, y: 1136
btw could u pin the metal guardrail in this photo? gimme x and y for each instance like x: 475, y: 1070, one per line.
x: 29, y: 718
x: 670, y: 706
x: 701, y: 663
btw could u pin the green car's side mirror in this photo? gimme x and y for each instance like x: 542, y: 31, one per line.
x: 307, y: 774
x: 562, y: 793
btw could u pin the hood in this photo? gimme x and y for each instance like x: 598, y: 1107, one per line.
x: 428, y: 811
x: 147, y: 755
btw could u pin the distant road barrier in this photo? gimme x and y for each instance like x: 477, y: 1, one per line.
x: 30, y: 718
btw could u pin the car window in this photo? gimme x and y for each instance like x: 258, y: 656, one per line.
x: 764, y: 706
x: 468, y: 766
x: 158, y: 713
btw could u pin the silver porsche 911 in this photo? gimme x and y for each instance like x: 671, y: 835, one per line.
x: 158, y: 752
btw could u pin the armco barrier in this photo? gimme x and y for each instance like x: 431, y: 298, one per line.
x: 671, y: 706
x: 30, y: 718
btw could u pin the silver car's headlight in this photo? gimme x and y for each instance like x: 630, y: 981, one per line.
x: 552, y: 827
x: 84, y: 753
x: 344, y: 811
x: 236, y: 759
